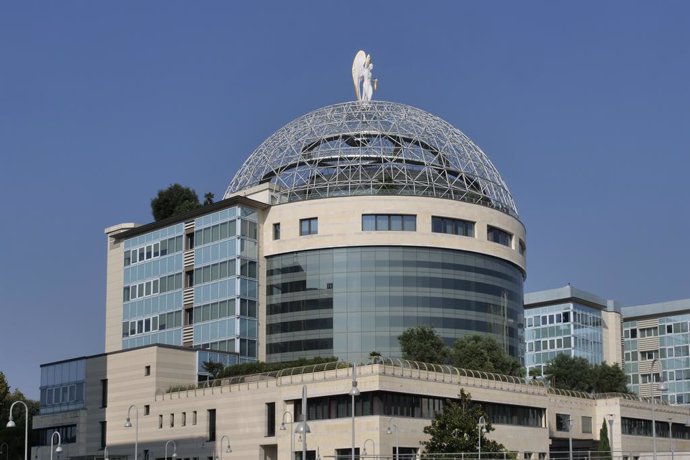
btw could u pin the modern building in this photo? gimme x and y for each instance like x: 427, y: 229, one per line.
x: 656, y: 346
x: 344, y: 228
x: 571, y: 321
x: 152, y: 406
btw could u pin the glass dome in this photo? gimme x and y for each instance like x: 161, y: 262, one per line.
x: 373, y: 148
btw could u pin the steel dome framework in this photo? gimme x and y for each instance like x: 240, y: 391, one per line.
x: 373, y: 148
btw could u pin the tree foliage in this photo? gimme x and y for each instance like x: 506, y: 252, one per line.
x: 456, y: 428
x: 422, y: 343
x: 483, y: 353
x: 173, y: 200
x: 213, y: 368
x: 604, y: 443
x: 14, y: 437
x: 570, y: 373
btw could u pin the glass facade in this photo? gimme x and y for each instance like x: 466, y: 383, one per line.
x: 348, y: 302
x: 62, y: 386
x: 666, y: 339
x: 223, y: 281
x: 570, y: 328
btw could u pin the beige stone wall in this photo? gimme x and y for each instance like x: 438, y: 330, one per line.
x: 113, y: 288
x: 612, y: 328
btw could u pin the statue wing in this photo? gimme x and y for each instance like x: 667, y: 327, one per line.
x: 357, y: 70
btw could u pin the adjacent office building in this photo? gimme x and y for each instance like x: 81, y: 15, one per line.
x: 571, y: 321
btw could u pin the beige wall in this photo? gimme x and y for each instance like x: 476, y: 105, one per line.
x: 113, y: 288
x: 612, y: 328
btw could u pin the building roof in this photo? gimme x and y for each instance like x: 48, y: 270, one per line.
x: 567, y: 294
x: 670, y: 308
x: 373, y: 148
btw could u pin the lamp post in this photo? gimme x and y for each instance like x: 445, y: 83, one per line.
x: 389, y: 430
x: 292, y: 435
x: 11, y: 424
x: 58, y: 449
x: 128, y: 424
x: 480, y: 428
x: 661, y: 387
x: 302, y: 426
x: 174, y: 454
x: 6, y: 447
x: 105, y: 453
x: 354, y: 391
x: 610, y: 418
x: 670, y: 437
x: 373, y: 447
x: 228, y: 449
x: 570, y: 437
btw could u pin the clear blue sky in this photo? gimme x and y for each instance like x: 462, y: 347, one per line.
x: 584, y: 107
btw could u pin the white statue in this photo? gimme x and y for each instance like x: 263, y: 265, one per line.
x: 361, y: 76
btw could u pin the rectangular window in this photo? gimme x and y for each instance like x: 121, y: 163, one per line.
x: 270, y: 419
x: 452, y: 226
x: 499, y: 236
x: 389, y: 223
x: 147, y: 370
x: 562, y: 422
x: 184, y: 419
x: 276, y: 231
x: 104, y: 431
x: 172, y: 420
x: 194, y: 418
x: 104, y: 393
x: 309, y: 226
x: 586, y: 424
x: 211, y: 415
x: 160, y: 421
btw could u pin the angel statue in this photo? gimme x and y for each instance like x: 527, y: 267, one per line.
x: 361, y: 76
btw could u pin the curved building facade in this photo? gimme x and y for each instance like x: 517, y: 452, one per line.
x: 345, y: 227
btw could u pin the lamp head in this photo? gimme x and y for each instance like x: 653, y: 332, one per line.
x: 354, y: 391
x: 174, y: 455
x: 58, y: 449
x: 11, y: 424
x: 128, y: 423
x: 302, y: 427
x: 662, y: 386
x: 228, y: 449
x: 388, y: 430
x: 282, y: 426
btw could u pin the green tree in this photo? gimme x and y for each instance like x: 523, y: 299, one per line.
x: 483, y: 353
x: 422, y: 343
x: 578, y: 374
x: 604, y: 444
x: 208, y: 198
x: 173, y: 200
x: 456, y: 428
x: 14, y: 437
x: 609, y: 378
x: 569, y: 373
x: 213, y: 368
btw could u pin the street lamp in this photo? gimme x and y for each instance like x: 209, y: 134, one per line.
x: 393, y: 427
x: 570, y: 437
x: 11, y: 424
x: 58, y: 449
x: 670, y: 437
x: 302, y: 426
x: 174, y: 454
x: 105, y: 453
x: 227, y: 449
x: 480, y: 428
x: 292, y: 435
x: 373, y: 447
x: 354, y: 391
x: 6, y: 447
x: 660, y: 387
x: 611, y: 418
x: 128, y: 424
